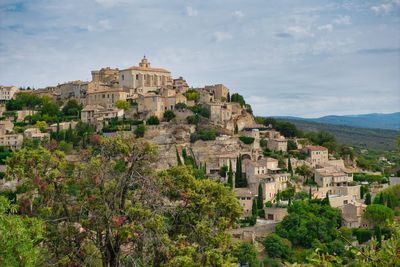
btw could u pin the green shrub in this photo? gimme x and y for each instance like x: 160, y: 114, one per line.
x: 140, y: 130
x: 194, y: 119
x: 247, y: 139
x: 169, y: 115
x: 153, y: 120
x: 204, y: 134
x: 362, y: 235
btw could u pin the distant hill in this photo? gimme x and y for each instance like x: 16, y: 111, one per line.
x: 377, y: 139
x: 374, y: 120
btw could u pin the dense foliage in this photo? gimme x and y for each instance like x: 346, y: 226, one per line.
x: 248, y: 140
x: 110, y: 209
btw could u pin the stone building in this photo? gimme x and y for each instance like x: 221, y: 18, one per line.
x: 36, y: 134
x: 106, y: 76
x: 105, y: 96
x: 143, y: 78
x: 7, y: 92
x: 218, y: 91
x: 8, y: 138
x: 96, y: 114
x: 277, y: 144
x: 352, y: 215
x: 245, y: 197
x: 180, y: 85
x: 149, y: 105
x: 72, y: 90
x: 316, y: 155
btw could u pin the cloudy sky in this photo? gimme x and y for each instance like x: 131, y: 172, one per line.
x: 300, y: 57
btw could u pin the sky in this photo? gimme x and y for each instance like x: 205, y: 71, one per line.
x: 287, y: 58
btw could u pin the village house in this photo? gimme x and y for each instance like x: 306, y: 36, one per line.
x: 218, y: 91
x: 352, y: 215
x: 73, y: 90
x: 7, y: 92
x: 143, y: 78
x: 277, y: 144
x: 275, y: 214
x: 96, y: 114
x: 150, y: 105
x: 316, y: 155
x: 106, y: 75
x: 35, y: 134
x: 180, y: 85
x: 22, y: 114
x: 63, y: 126
x: 8, y: 138
x: 105, y: 96
x: 245, y: 197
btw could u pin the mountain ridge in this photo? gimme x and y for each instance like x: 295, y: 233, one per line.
x: 387, y: 121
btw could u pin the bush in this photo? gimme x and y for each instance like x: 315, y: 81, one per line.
x: 153, y: 120
x: 180, y: 106
x: 140, y: 130
x: 247, y: 139
x: 277, y: 247
x: 64, y: 146
x: 194, y: 119
x: 362, y: 235
x: 204, y: 134
x: 192, y: 94
x: 169, y: 115
x: 200, y: 110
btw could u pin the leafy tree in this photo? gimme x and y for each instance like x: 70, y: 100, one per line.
x: 304, y: 170
x: 204, y: 134
x: 291, y: 145
x: 245, y: 253
x: 20, y: 237
x: 378, y: 215
x: 72, y: 108
x: 42, y: 125
x: 277, y: 247
x: 260, y: 197
x: 201, y: 110
x: 238, y: 99
x: 192, y: 94
x: 180, y: 106
x: 153, y: 120
x: 112, y: 199
x: 362, y: 235
x: 169, y: 115
x: 309, y: 221
x: 123, y: 104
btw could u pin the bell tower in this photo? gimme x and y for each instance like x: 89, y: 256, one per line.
x: 144, y: 63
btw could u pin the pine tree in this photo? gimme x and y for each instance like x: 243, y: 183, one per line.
x: 309, y: 194
x: 260, y: 197
x: 69, y: 134
x: 237, y: 173
x: 368, y: 199
x: 228, y: 98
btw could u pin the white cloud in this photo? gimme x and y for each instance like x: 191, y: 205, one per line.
x: 299, y: 32
x: 111, y: 3
x: 222, y: 36
x: 191, y: 12
x: 386, y: 8
x: 343, y: 20
x: 238, y: 14
x: 327, y: 27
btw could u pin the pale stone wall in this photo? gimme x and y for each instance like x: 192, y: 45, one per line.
x: 277, y: 144
x: 8, y: 92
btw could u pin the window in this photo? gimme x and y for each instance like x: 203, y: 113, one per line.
x: 123, y: 77
x: 137, y: 76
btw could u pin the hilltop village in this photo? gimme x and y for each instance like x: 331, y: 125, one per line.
x: 211, y: 128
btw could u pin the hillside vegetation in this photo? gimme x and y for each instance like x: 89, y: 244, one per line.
x: 376, y: 139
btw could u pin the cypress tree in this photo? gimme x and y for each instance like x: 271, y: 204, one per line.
x: 389, y: 202
x: 228, y: 98
x: 309, y: 194
x: 254, y: 210
x: 326, y: 201
x: 382, y: 199
x: 237, y: 173
x: 178, y: 158
x: 368, y: 199
x: 236, y: 129
x: 184, y: 156
x: 260, y: 197
x: 230, y: 175
x: 290, y: 169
